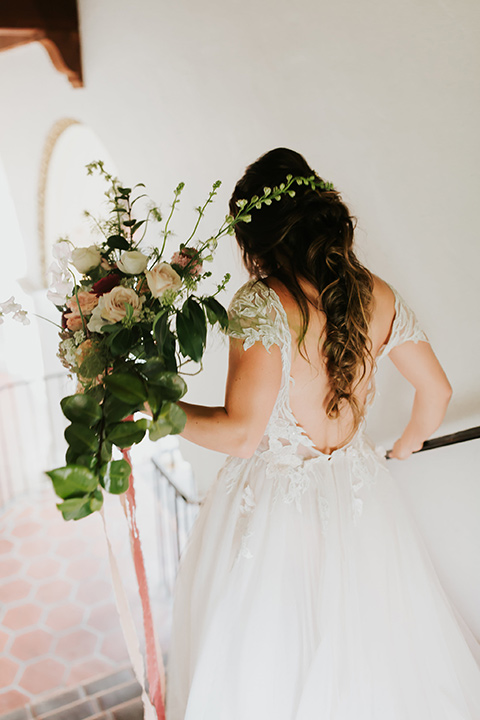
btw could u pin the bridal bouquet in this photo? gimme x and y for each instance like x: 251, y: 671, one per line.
x: 131, y: 320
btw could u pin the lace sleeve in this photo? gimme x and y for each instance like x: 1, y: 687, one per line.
x: 253, y: 317
x: 405, y: 326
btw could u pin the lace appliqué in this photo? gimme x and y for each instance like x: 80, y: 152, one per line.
x: 365, y: 464
x: 252, y: 317
x: 247, y: 506
x: 405, y: 328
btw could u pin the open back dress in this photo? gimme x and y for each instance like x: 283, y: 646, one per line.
x: 305, y: 591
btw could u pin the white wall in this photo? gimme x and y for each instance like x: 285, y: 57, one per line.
x: 383, y: 100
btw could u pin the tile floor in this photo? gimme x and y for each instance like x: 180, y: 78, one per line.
x: 58, y: 621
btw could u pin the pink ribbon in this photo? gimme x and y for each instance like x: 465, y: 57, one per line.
x: 155, y: 669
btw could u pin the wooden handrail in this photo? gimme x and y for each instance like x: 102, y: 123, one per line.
x: 444, y: 440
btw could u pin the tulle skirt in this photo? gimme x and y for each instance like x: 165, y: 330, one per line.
x: 306, y: 593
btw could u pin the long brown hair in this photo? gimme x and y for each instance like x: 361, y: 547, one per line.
x: 310, y: 236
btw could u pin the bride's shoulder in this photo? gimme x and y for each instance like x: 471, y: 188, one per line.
x: 383, y: 298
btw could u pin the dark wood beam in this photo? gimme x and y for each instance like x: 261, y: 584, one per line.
x: 53, y: 23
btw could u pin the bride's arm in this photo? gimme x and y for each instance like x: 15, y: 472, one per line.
x: 418, y: 364
x: 253, y: 382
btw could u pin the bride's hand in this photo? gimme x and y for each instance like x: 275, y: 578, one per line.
x: 402, y: 450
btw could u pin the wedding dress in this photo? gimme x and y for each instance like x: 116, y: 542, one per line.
x: 305, y: 591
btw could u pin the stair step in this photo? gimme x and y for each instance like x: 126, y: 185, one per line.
x: 52, y: 702
x: 79, y: 710
x: 131, y: 710
x: 22, y: 713
x: 118, y: 695
x: 105, y: 682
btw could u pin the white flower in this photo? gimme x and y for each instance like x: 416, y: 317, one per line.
x: 132, y: 262
x: 162, y: 278
x: 112, y: 307
x: 62, y: 281
x: 85, y: 259
x: 62, y: 251
x: 21, y: 316
x: 10, y: 306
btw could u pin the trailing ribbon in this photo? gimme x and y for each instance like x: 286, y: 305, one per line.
x: 155, y: 668
x: 128, y: 626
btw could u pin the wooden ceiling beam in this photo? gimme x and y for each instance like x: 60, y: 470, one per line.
x: 53, y: 23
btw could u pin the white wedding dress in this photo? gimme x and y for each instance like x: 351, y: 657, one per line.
x: 305, y: 591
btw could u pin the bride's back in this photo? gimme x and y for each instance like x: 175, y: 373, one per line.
x: 310, y: 387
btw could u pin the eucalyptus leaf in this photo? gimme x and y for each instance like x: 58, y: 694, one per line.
x: 127, y: 387
x: 76, y: 508
x: 96, y: 500
x: 115, y: 476
x: 171, y: 421
x: 72, y: 480
x: 116, y: 410
x: 128, y: 433
x: 81, y: 408
x: 81, y: 438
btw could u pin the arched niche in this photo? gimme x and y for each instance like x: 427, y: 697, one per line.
x: 65, y: 189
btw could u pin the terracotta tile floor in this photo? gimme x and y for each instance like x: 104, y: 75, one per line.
x: 58, y: 621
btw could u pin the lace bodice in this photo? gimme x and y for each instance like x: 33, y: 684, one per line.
x: 257, y: 315
x: 286, y: 451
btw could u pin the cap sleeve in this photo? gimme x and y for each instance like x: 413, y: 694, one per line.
x: 405, y: 327
x: 253, y: 316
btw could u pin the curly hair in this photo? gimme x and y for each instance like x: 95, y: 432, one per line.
x: 310, y: 236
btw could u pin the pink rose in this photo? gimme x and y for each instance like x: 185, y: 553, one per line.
x: 87, y: 301
x: 188, y: 256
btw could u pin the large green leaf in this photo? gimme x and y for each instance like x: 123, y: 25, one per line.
x: 83, y: 409
x: 215, y: 312
x: 165, y: 340
x: 173, y: 386
x: 96, y: 500
x: 76, y: 508
x: 116, y: 410
x: 118, y: 242
x: 126, y: 434
x: 121, y: 341
x: 115, y: 476
x: 191, y: 329
x: 72, y: 480
x: 126, y: 387
x: 171, y: 421
x: 192, y: 308
x: 81, y: 438
x: 93, y: 365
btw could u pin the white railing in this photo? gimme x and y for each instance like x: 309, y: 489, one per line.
x: 31, y: 433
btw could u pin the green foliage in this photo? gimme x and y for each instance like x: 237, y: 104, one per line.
x: 72, y: 481
x: 81, y: 408
x: 191, y: 329
x: 115, y: 476
x: 170, y: 421
x: 139, y: 358
x: 127, y: 387
x: 127, y: 433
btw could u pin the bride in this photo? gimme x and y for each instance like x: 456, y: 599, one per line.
x: 305, y: 591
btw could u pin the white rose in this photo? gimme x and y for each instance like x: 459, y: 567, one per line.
x: 85, y: 259
x: 132, y: 262
x: 162, y: 278
x: 112, y: 307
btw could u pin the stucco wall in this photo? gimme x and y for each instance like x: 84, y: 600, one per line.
x: 383, y: 100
